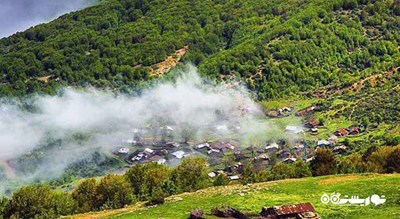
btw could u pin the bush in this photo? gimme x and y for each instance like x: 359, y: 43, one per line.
x: 39, y: 201
x: 377, y: 161
x: 113, y: 191
x: 191, y: 174
x: 282, y: 171
x: 324, y: 163
x: 146, y: 177
x: 220, y: 180
x: 393, y: 161
x: 157, y: 197
x: 301, y: 169
x: 85, y: 195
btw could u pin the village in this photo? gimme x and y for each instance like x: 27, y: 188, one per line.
x: 228, y: 156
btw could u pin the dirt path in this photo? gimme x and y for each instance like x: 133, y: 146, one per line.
x: 170, y: 62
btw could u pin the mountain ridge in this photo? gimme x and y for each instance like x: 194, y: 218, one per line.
x: 301, y: 45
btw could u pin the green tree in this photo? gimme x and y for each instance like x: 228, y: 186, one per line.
x: 220, y: 180
x: 392, y: 163
x: 3, y: 203
x: 114, y: 191
x: 85, y: 195
x: 324, y: 163
x: 377, y: 160
x: 352, y: 164
x: 263, y: 175
x: 248, y: 175
x: 38, y: 201
x: 301, y: 169
x: 191, y: 174
x: 365, y: 122
x: 282, y: 171
x: 147, y: 177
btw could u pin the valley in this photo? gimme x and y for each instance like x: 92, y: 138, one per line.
x: 161, y: 108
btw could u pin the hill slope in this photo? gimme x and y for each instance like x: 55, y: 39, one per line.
x: 252, y: 198
x: 276, y: 47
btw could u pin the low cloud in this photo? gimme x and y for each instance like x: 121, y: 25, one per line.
x: 210, y: 111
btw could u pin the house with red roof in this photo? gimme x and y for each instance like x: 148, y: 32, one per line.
x: 296, y: 211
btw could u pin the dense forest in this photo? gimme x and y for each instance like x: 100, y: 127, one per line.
x: 277, y: 48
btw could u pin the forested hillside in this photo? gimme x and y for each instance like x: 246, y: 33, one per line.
x: 277, y: 47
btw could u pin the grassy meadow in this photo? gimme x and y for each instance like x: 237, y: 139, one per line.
x: 251, y: 198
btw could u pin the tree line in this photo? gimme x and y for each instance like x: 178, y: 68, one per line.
x: 152, y: 182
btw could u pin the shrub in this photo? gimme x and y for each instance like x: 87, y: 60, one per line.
x: 85, y: 195
x: 113, y: 191
x: 191, y: 174
x: 324, y: 163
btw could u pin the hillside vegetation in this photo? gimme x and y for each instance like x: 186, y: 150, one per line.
x: 278, y: 48
x: 251, y: 198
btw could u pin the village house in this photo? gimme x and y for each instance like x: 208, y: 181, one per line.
x: 261, y: 160
x: 311, y: 124
x: 204, y: 145
x: 354, y: 130
x: 212, y: 174
x: 314, y: 131
x: 283, y: 154
x: 161, y: 152
x: 172, y: 144
x: 222, y: 146
x: 289, y: 160
x: 215, y: 153
x: 310, y: 159
x: 123, y: 150
x: 158, y: 159
x: 235, y: 177
x: 298, y: 147
x: 262, y: 157
x: 294, y: 129
x: 341, y: 132
x: 178, y: 154
x: 148, y: 151
x: 306, y: 111
x: 339, y: 149
x: 143, y: 155
x: 271, y: 147
x: 297, y: 211
x: 323, y: 143
x: 285, y: 111
x: 333, y: 139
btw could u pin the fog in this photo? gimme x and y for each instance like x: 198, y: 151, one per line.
x: 19, y: 15
x: 210, y: 111
x: 186, y: 101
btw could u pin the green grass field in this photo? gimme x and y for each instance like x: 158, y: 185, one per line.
x: 251, y: 198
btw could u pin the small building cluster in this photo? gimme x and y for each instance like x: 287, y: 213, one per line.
x: 227, y: 157
x: 352, y: 130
